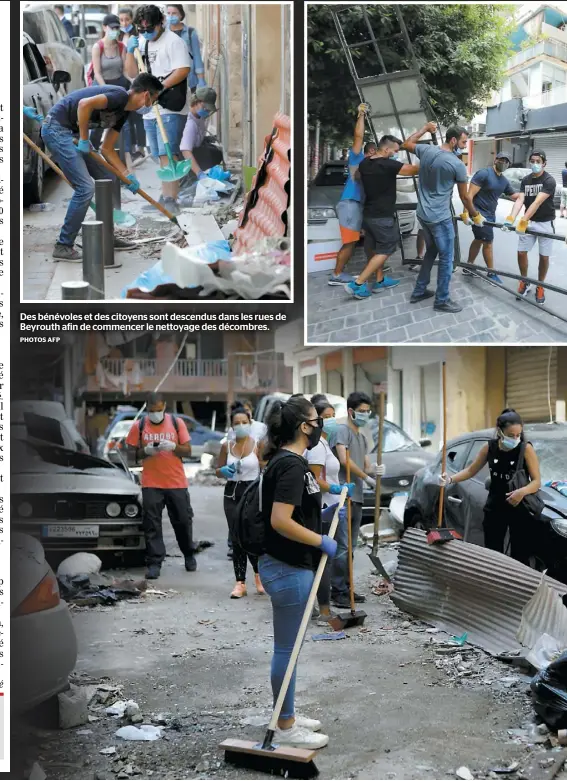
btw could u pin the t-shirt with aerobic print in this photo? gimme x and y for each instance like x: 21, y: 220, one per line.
x: 531, y: 186
x: 439, y: 171
x: 352, y: 191
x: 288, y: 480
x: 378, y: 176
x: 357, y: 446
x: 166, y: 54
x: 114, y: 116
x: 164, y: 470
x: 492, y: 186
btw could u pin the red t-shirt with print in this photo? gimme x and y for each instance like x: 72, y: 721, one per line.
x: 164, y: 470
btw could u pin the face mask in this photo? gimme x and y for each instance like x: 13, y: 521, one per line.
x: 313, y: 437
x: 458, y: 151
x: 242, y: 430
x: 113, y: 34
x: 330, y: 425
x: 203, y: 113
x: 127, y: 29
x: 360, y: 419
x: 501, y: 166
x: 536, y: 167
x: 395, y: 156
x: 150, y: 36
x: 509, y: 443
x: 173, y: 19
x: 157, y: 417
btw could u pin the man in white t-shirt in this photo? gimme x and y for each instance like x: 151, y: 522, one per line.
x: 166, y: 56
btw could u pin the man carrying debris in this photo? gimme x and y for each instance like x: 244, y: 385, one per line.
x: 202, y: 106
x: 161, y: 441
x: 104, y: 106
x: 350, y: 443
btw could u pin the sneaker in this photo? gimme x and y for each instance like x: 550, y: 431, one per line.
x: 540, y: 295
x: 341, y: 600
x: 153, y: 572
x: 67, y: 253
x: 494, y: 278
x: 359, y: 598
x: 239, y: 591
x: 385, y: 284
x: 259, y: 586
x: 340, y: 279
x: 190, y: 563
x: 358, y: 291
x: 422, y: 297
x: 523, y: 289
x: 172, y: 206
x: 300, y: 737
x: 448, y: 306
x: 312, y: 724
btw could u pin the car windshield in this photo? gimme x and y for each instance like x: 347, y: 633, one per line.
x: 330, y: 176
x: 121, y: 429
x: 394, y: 438
x: 552, y: 455
x: 49, y: 458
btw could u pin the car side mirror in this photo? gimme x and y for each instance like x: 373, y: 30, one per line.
x: 425, y: 442
x: 59, y: 78
x: 79, y: 43
x: 487, y: 483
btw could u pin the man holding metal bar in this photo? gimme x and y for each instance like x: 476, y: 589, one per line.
x: 536, y: 194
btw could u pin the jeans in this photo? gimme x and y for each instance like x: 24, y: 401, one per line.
x: 79, y: 169
x: 339, y: 576
x: 439, y: 240
x: 288, y: 588
x: 174, y: 125
x: 180, y: 512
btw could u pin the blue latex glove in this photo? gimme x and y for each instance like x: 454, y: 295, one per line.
x: 201, y: 175
x: 328, y: 513
x: 328, y: 546
x: 84, y: 146
x: 336, y: 488
x: 227, y: 471
x: 201, y: 82
x: 134, y: 185
x: 31, y: 113
x: 133, y: 43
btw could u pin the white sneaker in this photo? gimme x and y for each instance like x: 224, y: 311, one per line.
x: 300, y: 737
x: 312, y: 724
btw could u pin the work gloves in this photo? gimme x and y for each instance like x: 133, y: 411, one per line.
x: 166, y: 445
x: 479, y: 220
x: 522, y: 225
x: 84, y: 146
x: 465, y: 217
x: 443, y: 480
x: 134, y: 185
x: 370, y: 481
x: 228, y: 471
x: 377, y: 469
x: 508, y: 223
x: 133, y: 43
x: 31, y: 113
x: 201, y: 81
x: 151, y: 450
x: 337, y: 489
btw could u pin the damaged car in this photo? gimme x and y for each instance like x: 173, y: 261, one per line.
x: 464, y: 502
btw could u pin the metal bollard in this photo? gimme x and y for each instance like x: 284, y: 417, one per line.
x: 75, y: 291
x: 93, y: 263
x: 104, y: 189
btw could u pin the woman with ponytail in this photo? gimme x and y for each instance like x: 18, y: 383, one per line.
x: 294, y: 542
x: 505, y: 510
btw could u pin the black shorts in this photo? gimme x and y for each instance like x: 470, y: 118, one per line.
x: 381, y: 235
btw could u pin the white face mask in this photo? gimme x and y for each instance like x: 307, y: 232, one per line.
x: 157, y: 417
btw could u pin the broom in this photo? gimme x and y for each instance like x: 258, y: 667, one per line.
x: 440, y: 535
x: 374, y: 557
x: 266, y: 757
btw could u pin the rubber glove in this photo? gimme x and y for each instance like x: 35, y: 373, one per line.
x: 508, y: 223
x: 133, y: 43
x: 465, y: 217
x: 377, y: 469
x: 201, y: 175
x: 479, y: 220
x: 31, y: 113
x: 201, y: 81
x: 328, y: 513
x: 370, y: 481
x: 443, y: 480
x: 167, y: 445
x: 150, y: 450
x: 328, y: 546
x: 227, y: 471
x: 337, y: 489
x: 522, y: 225
x: 84, y: 146
x: 134, y: 185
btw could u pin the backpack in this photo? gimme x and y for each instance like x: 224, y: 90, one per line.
x: 249, y: 528
x: 90, y: 70
x: 143, y: 420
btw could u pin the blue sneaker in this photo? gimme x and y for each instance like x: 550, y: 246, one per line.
x: 386, y: 283
x: 340, y: 279
x: 357, y: 291
x: 494, y: 277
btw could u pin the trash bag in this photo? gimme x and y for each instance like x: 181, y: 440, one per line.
x: 148, y: 279
x: 549, y: 693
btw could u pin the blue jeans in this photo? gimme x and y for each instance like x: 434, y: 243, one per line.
x: 79, y: 169
x: 439, y: 240
x: 339, y: 576
x: 288, y: 588
x: 174, y: 126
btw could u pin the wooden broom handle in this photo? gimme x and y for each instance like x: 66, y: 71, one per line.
x: 47, y: 159
x: 444, y: 451
x: 305, y: 620
x: 376, y: 537
x: 349, y: 533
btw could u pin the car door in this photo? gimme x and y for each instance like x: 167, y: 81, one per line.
x: 40, y: 92
x: 62, y: 54
x: 455, y: 506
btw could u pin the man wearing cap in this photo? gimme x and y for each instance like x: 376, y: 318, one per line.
x: 485, y: 188
x: 536, y: 194
x: 201, y: 107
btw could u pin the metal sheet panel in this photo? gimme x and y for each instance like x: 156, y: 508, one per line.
x: 461, y: 587
x: 555, y: 149
x: 545, y: 612
x: 531, y: 381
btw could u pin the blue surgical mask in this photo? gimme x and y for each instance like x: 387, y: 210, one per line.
x: 536, y: 168
x: 113, y: 34
x: 330, y: 425
x: 458, y: 151
x: 509, y: 443
x: 396, y: 156
x: 202, y: 113
x: 173, y: 19
x: 242, y: 430
x: 127, y: 29
x: 150, y: 36
x: 360, y: 419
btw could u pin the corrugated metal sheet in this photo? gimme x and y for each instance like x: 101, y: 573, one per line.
x: 265, y: 212
x: 527, y: 373
x: 544, y: 612
x: 461, y: 587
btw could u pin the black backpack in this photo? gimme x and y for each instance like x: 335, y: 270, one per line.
x: 170, y: 98
x: 249, y: 528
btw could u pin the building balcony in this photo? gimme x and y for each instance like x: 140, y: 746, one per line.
x: 554, y: 49
x: 552, y: 97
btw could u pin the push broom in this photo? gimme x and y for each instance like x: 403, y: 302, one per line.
x: 267, y: 757
x: 374, y: 557
x: 442, y: 534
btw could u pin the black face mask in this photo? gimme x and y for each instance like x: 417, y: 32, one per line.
x: 314, y: 436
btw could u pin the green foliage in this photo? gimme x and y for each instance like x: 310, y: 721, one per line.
x: 461, y: 51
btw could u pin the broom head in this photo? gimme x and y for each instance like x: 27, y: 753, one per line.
x: 439, y: 536
x: 348, y: 620
x: 284, y: 761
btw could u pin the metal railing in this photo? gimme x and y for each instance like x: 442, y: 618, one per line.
x: 201, y: 367
x: 552, y: 48
x: 118, y: 366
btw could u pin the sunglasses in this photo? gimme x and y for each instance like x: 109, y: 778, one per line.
x: 315, y: 422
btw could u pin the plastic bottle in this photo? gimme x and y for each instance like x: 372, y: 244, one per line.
x: 42, y: 207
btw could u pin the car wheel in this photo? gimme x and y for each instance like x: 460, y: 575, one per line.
x: 34, y: 190
x: 417, y: 521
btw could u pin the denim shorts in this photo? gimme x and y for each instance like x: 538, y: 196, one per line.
x: 174, y: 125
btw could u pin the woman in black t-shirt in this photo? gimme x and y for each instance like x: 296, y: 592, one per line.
x: 504, y: 510
x: 293, y: 548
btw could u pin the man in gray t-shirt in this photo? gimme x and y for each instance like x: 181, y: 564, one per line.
x: 439, y: 170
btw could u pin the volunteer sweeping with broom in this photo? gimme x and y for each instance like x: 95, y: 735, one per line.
x: 507, y: 509
x: 239, y: 463
x: 293, y: 545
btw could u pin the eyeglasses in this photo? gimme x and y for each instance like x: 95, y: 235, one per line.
x: 315, y: 422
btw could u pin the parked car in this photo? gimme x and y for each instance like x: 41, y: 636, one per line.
x: 43, y: 25
x: 46, y: 421
x: 40, y: 93
x: 72, y: 501
x: 515, y: 175
x: 43, y: 645
x: 264, y: 407
x: 465, y: 501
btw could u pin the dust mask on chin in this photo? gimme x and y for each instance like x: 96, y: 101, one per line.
x: 157, y: 417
